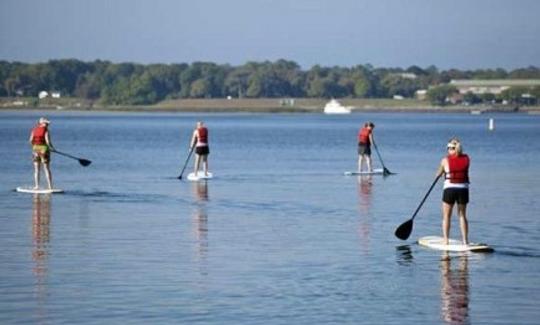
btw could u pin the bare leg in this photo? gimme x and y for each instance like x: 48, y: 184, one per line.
x: 368, y: 160
x: 447, y: 214
x: 361, y: 160
x: 205, y: 164
x: 197, y: 164
x: 48, y: 174
x: 36, y: 175
x: 463, y: 223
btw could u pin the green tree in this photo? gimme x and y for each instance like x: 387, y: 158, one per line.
x: 438, y: 95
x: 200, y: 88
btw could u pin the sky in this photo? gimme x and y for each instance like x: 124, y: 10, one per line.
x: 461, y: 34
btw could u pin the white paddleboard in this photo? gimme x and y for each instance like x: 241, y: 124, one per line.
x: 436, y: 242
x: 376, y: 171
x: 200, y: 176
x: 27, y: 189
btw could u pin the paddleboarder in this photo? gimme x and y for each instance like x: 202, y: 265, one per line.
x: 40, y: 139
x: 199, y: 140
x: 455, y: 168
x: 365, y: 139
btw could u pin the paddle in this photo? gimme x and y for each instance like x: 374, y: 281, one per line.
x: 185, y: 164
x: 83, y: 162
x: 404, y: 231
x: 385, y: 170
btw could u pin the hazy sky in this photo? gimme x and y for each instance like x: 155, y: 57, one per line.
x: 464, y: 34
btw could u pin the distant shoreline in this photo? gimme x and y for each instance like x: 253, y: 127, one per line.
x: 263, y: 105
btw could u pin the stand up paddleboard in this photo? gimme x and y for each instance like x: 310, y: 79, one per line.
x: 31, y: 190
x: 436, y: 242
x: 200, y: 176
x: 377, y: 171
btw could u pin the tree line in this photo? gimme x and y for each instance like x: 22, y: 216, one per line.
x: 138, y: 84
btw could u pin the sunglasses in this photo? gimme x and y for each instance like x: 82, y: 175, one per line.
x: 451, y: 148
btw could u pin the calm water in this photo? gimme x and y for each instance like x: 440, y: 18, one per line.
x: 279, y: 236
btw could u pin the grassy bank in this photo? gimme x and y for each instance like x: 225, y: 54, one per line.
x: 271, y: 105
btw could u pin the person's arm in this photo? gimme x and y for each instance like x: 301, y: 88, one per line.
x: 193, y: 140
x: 31, y: 137
x: 440, y: 170
x: 371, y: 139
x: 48, y: 140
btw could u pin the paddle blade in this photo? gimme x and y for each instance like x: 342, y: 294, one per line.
x: 386, y: 172
x: 84, y: 162
x: 404, y: 231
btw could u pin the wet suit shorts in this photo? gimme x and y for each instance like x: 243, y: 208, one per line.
x: 364, y: 149
x: 203, y: 150
x: 41, y: 153
x: 452, y: 195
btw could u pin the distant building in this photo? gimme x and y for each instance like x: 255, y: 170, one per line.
x: 55, y: 94
x: 495, y: 86
x: 421, y: 94
x: 43, y: 94
x: 408, y: 75
x: 405, y: 75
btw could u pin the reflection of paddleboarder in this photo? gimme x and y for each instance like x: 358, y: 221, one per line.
x: 364, y: 204
x: 454, y: 291
x: 364, y: 191
x: 200, y: 218
x: 41, y: 217
x: 41, y: 151
x: 201, y: 191
x: 199, y: 140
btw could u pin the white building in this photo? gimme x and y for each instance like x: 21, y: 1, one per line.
x: 495, y: 86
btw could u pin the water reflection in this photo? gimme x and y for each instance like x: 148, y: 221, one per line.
x: 365, y: 185
x: 364, y: 188
x: 404, y: 255
x: 455, y: 290
x: 41, y: 219
x: 200, y: 219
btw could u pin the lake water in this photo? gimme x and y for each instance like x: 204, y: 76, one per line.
x: 279, y: 236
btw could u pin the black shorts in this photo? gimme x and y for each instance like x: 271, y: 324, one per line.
x: 364, y: 149
x: 453, y: 195
x: 202, y: 151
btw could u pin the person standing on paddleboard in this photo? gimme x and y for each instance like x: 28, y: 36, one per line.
x: 40, y: 140
x: 455, y: 167
x: 199, y: 140
x: 365, y: 139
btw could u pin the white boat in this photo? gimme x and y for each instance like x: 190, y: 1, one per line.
x: 335, y: 107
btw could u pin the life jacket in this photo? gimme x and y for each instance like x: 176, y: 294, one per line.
x: 202, y: 135
x: 38, y: 135
x: 458, y: 166
x: 363, y: 135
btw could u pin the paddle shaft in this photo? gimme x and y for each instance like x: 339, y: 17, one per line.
x: 426, y: 196
x: 65, y: 154
x: 185, y: 163
x: 380, y: 158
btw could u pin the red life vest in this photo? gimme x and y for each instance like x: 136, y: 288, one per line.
x: 202, y: 135
x: 38, y: 135
x: 459, y: 168
x: 363, y: 135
